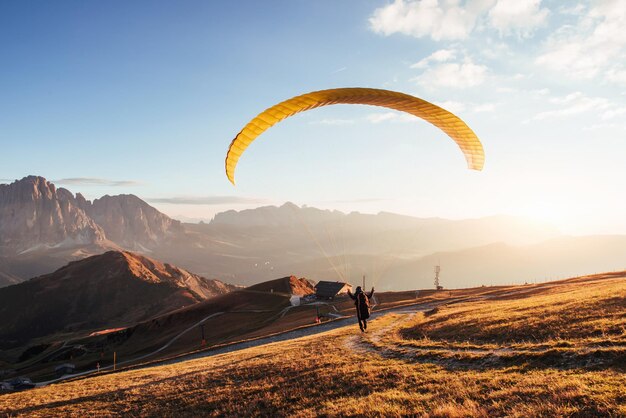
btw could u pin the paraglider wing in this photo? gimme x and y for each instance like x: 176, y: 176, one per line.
x: 451, y: 124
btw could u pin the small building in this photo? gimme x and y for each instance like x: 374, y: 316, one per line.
x: 328, y: 290
x: 65, y: 368
x: 294, y: 300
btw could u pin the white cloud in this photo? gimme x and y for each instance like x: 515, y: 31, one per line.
x: 456, y: 19
x: 604, y: 125
x: 506, y: 90
x: 453, y: 75
x: 576, y: 10
x: 572, y: 97
x: 91, y: 181
x: 205, y: 200
x: 578, y: 103
x: 521, y: 16
x: 494, y: 48
x: 445, y: 20
x: 612, y: 113
x: 585, y: 50
x: 485, y: 107
x: 574, y: 104
x: 541, y: 92
x: 441, y: 55
x: 616, y: 75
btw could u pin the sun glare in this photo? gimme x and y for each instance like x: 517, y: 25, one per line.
x: 545, y: 213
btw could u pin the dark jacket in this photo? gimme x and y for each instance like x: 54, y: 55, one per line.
x: 362, y: 303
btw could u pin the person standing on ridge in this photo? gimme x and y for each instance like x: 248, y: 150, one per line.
x: 362, y: 303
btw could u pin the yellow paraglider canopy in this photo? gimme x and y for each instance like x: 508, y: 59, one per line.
x: 451, y: 124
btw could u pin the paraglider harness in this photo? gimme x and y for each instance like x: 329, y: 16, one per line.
x: 363, y: 306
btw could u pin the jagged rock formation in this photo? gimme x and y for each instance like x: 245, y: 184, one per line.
x: 131, y: 222
x: 35, y: 214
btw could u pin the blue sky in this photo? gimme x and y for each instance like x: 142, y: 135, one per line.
x: 145, y: 97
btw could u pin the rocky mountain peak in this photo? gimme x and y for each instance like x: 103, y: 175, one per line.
x: 131, y: 222
x: 113, y: 264
x: 35, y: 214
x: 28, y: 188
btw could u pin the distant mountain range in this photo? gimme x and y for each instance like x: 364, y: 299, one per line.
x: 492, y: 264
x: 259, y: 244
x: 42, y: 228
x: 114, y: 289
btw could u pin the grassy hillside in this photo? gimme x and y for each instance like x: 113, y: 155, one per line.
x: 114, y: 289
x: 229, y: 317
x: 573, y: 311
x: 549, y: 350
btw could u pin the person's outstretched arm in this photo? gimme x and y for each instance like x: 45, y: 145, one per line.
x: 371, y: 293
x: 351, y: 295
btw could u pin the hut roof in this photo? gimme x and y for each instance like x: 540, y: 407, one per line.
x: 329, y: 289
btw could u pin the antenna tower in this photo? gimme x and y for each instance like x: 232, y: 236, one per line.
x: 437, y: 271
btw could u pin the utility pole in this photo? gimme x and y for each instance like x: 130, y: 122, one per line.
x: 202, y: 341
x: 363, y: 283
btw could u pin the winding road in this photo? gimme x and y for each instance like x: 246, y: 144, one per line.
x: 338, y: 322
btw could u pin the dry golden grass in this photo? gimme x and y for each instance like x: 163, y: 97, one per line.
x: 343, y: 372
x: 589, y: 312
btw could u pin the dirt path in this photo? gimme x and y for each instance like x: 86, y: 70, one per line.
x: 381, y: 342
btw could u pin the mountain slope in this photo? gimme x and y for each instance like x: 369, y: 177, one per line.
x: 291, y: 285
x: 109, y: 290
x: 7, y: 279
